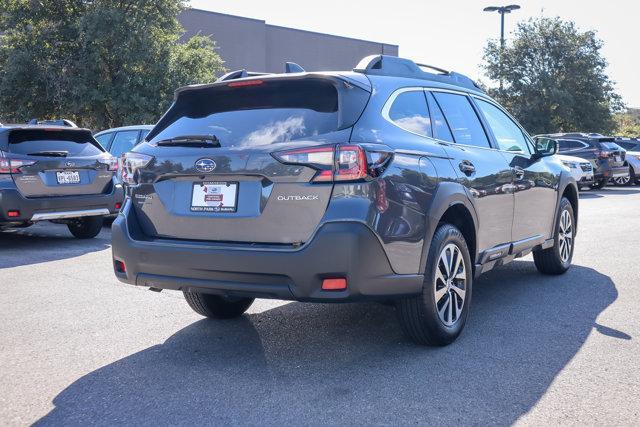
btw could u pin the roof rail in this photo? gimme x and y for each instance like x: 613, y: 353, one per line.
x: 292, y: 67
x: 289, y: 67
x: 385, y: 65
x: 239, y: 74
x: 59, y: 122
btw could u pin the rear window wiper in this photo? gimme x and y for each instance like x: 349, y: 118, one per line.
x: 191, y: 141
x: 50, y: 153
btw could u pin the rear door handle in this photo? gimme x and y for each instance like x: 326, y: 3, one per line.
x: 519, y: 172
x: 467, y: 167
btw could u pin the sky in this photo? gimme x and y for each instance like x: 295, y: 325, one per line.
x: 452, y: 33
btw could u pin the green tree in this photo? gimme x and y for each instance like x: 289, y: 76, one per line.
x: 102, y: 63
x: 628, y: 123
x: 554, y: 78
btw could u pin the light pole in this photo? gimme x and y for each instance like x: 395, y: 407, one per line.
x: 502, y: 10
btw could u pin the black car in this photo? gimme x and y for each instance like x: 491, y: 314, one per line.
x: 607, y: 157
x: 383, y: 183
x: 57, y: 173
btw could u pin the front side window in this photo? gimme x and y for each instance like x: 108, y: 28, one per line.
x: 410, y: 112
x: 463, y: 120
x: 508, y: 135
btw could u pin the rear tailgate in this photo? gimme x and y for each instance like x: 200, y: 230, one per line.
x: 58, y: 162
x: 233, y: 189
x: 612, y: 153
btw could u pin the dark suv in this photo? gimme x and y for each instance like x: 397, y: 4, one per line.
x: 607, y: 157
x: 385, y: 183
x: 56, y: 173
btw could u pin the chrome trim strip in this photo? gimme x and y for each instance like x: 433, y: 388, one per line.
x: 69, y: 214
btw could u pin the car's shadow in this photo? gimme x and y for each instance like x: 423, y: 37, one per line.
x: 46, y: 242
x: 343, y: 364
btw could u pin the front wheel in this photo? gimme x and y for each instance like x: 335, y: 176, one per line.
x: 557, y: 259
x: 86, y: 228
x: 217, y: 306
x: 437, y: 316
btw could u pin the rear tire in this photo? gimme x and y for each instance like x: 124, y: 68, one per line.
x: 437, y: 316
x: 217, y: 306
x: 624, y: 181
x: 557, y: 259
x: 86, y: 228
x: 598, y: 185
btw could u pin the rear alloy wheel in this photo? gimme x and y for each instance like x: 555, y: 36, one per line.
x: 438, y: 315
x: 86, y: 228
x: 623, y: 181
x: 217, y: 306
x: 557, y: 259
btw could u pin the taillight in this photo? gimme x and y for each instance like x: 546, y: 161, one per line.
x: 131, y: 163
x: 338, y: 163
x: 245, y: 83
x: 111, y: 162
x: 8, y: 165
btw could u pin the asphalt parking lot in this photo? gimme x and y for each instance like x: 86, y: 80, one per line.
x: 77, y: 347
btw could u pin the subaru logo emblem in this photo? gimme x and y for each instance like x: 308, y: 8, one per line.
x: 205, y: 165
x: 70, y: 164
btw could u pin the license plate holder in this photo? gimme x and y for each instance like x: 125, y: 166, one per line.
x: 214, y: 196
x: 68, y: 177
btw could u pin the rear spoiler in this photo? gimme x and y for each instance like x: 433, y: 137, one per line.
x: 289, y: 68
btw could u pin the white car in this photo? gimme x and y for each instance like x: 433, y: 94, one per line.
x: 581, y: 169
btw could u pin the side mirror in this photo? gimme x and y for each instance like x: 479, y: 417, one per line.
x: 545, y: 147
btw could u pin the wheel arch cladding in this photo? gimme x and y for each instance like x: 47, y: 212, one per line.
x: 451, y: 205
x: 571, y: 193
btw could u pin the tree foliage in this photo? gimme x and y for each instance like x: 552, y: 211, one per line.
x: 102, y: 63
x: 554, y: 78
x: 628, y: 123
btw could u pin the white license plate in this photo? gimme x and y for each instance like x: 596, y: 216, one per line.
x: 214, y: 197
x: 68, y: 177
x: 618, y: 159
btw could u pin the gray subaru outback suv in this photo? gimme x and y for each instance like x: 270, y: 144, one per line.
x: 387, y: 183
x: 56, y: 173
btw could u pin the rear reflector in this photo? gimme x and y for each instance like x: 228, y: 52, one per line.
x: 334, y: 284
x: 119, y: 266
x: 13, y: 214
x: 118, y: 205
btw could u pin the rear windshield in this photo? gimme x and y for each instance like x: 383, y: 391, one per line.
x: 609, y: 146
x: 266, y: 113
x: 55, y: 142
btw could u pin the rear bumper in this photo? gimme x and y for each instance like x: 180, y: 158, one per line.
x: 43, y: 208
x: 611, y: 172
x: 339, y: 249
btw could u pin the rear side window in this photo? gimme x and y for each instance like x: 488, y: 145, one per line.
x: 440, y: 127
x: 570, y: 145
x: 77, y: 143
x: 266, y: 112
x: 124, y: 141
x: 609, y: 146
x: 410, y: 112
x: 104, y: 139
x: 463, y: 120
